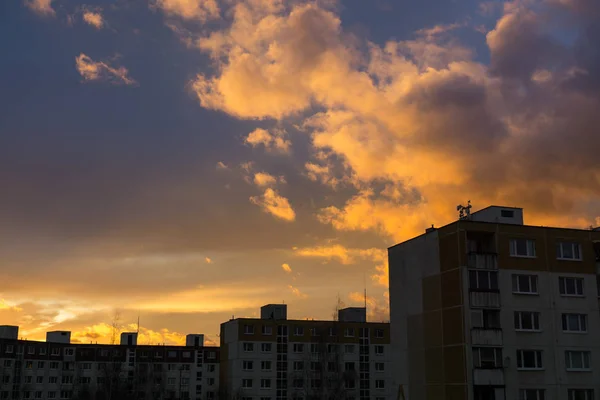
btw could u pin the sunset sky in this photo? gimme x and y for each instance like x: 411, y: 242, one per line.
x: 190, y: 160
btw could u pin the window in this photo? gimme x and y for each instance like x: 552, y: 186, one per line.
x: 211, y: 367
x: 298, y: 365
x: 298, y: 331
x: 298, y: 383
x: 42, y: 351
x: 577, y: 360
x: 170, y: 381
x: 248, y: 329
x: 40, y: 364
x: 30, y: 350
x: 378, y: 350
x: 85, y: 380
x: 9, y: 349
x: 332, y: 348
x: 247, y: 383
x: 568, y: 251
x: 315, y: 366
x: 7, y: 363
x: 529, y: 359
x: 522, y: 248
x: 267, y: 330
x: 570, y: 286
x: 531, y: 394
x: 379, y: 367
x: 38, y: 395
x: 53, y: 379
x: 54, y: 365
x: 315, y: 383
x: 28, y: 364
x: 69, y: 351
x: 211, y: 381
x: 332, y: 332
x: 314, y: 348
x: 67, y: 380
x: 524, y: 284
x: 265, y: 398
x: 186, y: 354
x: 349, y: 332
x: 248, y: 347
x: 487, y: 319
x: 212, y: 354
x: 247, y: 365
x: 527, y: 321
x: 580, y: 394
x: 483, y: 280
x: 172, y: 354
x: 379, y: 333
x: 379, y: 384
x: 66, y: 394
x: 265, y: 347
x: 19, y: 349
x: 39, y: 379
x: 314, y: 332
x: 55, y: 351
x: 349, y: 366
x: 574, y: 323
x: 487, y: 357
x: 349, y: 348
x: 51, y: 395
x: 265, y: 365
x: 28, y: 379
x: 298, y: 348
x: 185, y: 381
x: 507, y: 213
x: 350, y: 384
x: 87, y: 366
x: 331, y: 366
x: 265, y: 384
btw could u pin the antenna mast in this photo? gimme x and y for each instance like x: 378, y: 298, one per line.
x: 138, y: 324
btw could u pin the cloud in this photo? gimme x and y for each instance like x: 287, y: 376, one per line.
x: 378, y: 310
x: 91, y: 70
x: 94, y: 19
x: 285, y: 267
x: 297, y: 292
x: 41, y: 7
x: 208, y: 260
x: 201, y: 10
x: 275, y: 204
x: 263, y: 179
x: 221, y: 165
x: 274, y: 141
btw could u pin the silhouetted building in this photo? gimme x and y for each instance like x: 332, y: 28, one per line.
x: 487, y: 308
x: 58, y: 369
x: 275, y: 358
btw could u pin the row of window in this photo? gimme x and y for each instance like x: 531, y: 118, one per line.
x: 302, y: 398
x: 491, y: 357
x: 524, y: 283
x: 70, y: 351
x: 63, y: 394
x: 530, y: 321
x: 572, y: 394
x: 248, y: 365
x: 248, y: 383
x: 314, y: 348
x: 101, y: 366
x: 68, y: 380
x: 267, y: 330
x: 564, y: 250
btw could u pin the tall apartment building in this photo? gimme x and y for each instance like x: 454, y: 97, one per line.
x: 59, y: 369
x: 273, y: 358
x: 487, y: 308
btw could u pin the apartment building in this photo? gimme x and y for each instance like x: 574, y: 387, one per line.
x: 59, y: 369
x: 487, y: 308
x: 273, y: 358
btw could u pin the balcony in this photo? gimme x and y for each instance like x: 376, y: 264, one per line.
x: 482, y: 260
x: 484, y: 299
x: 486, y: 337
x: 488, y: 377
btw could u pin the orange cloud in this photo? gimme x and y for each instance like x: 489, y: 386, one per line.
x: 94, y: 19
x: 208, y: 260
x: 201, y: 10
x: 285, y: 267
x: 92, y: 70
x: 41, y: 7
x: 263, y: 179
x: 377, y: 310
x: 297, y: 292
x: 272, y: 141
x: 275, y: 204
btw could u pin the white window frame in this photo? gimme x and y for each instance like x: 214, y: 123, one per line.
x: 265, y: 383
x: 575, y: 248
x: 379, y: 333
x: 585, y: 359
x: 588, y: 394
x: 529, y: 248
x: 477, y: 357
x: 247, y: 383
x: 484, y: 276
x: 532, y: 394
x: 379, y: 384
x: 349, y: 332
x: 263, y: 347
x: 69, y: 351
x: 562, y: 286
x: 248, y: 329
x: 379, y: 350
x: 582, y: 322
x: 298, y: 347
x: 532, y: 316
x: 539, y: 360
x: 248, y: 347
x: 266, y: 365
x: 532, y: 280
x: 298, y: 363
x: 247, y: 365
x: 379, y: 367
x: 9, y: 349
x: 298, y: 331
x: 349, y: 346
x: 267, y: 330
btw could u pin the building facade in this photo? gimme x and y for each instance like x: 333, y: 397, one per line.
x: 273, y: 358
x: 59, y: 369
x: 487, y: 308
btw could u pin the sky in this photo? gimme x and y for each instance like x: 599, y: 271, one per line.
x: 187, y: 161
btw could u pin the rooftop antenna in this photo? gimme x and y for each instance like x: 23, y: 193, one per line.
x: 365, y: 282
x: 138, y: 323
x: 464, y: 212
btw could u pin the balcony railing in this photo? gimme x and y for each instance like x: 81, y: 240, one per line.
x: 485, y: 299
x: 489, y: 377
x: 486, y: 337
x: 482, y: 260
